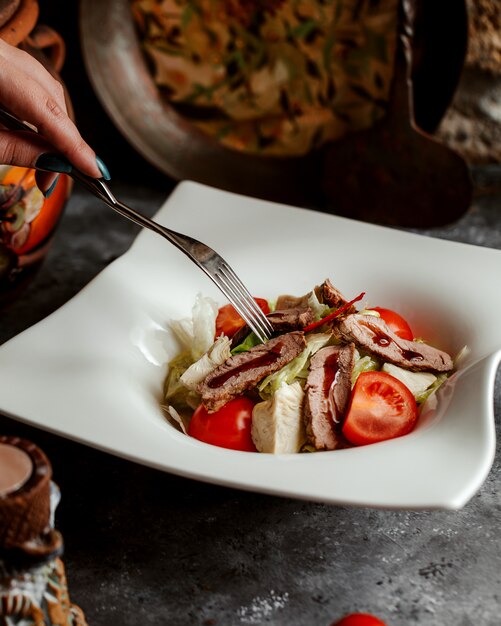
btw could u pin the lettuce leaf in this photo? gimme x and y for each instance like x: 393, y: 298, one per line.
x: 175, y: 393
x: 295, y: 370
x: 217, y: 354
x: 366, y: 363
x: 440, y: 380
x: 319, y: 310
x: 197, y: 333
x: 249, y: 342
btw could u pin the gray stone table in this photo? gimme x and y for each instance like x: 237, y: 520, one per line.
x: 144, y: 547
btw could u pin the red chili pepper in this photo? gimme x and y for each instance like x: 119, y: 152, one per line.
x: 333, y: 315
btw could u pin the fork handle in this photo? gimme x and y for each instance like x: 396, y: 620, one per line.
x: 195, y: 250
x: 98, y: 187
x: 13, y: 123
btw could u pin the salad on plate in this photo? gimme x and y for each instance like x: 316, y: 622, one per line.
x: 332, y: 376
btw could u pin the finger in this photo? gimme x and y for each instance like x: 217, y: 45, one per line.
x: 45, y: 181
x: 41, y: 109
x: 23, y: 62
x: 31, y: 102
x: 24, y: 149
x: 21, y: 148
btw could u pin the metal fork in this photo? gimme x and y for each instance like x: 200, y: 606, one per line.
x: 207, y: 259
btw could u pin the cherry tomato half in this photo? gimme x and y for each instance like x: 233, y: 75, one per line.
x: 228, y: 321
x: 381, y: 407
x: 396, y: 323
x: 359, y: 619
x: 230, y: 427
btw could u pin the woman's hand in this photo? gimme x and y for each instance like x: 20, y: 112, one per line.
x: 29, y: 91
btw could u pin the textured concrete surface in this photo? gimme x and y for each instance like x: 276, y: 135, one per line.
x: 143, y: 547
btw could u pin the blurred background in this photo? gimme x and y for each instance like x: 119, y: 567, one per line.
x: 472, y: 124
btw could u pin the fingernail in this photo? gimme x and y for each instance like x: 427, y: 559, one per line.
x: 53, y: 163
x: 103, y: 169
x: 49, y: 191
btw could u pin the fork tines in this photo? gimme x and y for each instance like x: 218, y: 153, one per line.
x: 244, y: 303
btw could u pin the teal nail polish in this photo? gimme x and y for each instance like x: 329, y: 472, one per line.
x: 49, y: 191
x: 53, y: 163
x: 103, y: 169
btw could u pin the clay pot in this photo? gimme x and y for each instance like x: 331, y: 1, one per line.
x: 18, y: 26
x: 27, y: 220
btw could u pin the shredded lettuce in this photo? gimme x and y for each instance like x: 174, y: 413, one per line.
x: 175, y: 393
x: 249, y: 342
x: 178, y: 419
x: 416, y: 382
x: 366, y: 363
x: 420, y: 384
x: 440, y: 380
x: 295, y: 370
x: 204, y: 315
x: 183, y: 329
x: 197, y: 334
x: 319, y: 310
x: 218, y: 353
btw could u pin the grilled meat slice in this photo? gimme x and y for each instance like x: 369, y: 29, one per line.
x: 328, y: 389
x: 328, y: 294
x: 372, y: 334
x: 288, y: 320
x: 283, y: 321
x: 243, y: 371
x: 286, y: 301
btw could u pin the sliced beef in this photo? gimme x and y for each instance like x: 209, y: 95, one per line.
x: 328, y: 294
x: 287, y: 320
x: 283, y: 321
x: 328, y: 389
x: 292, y: 302
x: 372, y: 334
x: 243, y: 371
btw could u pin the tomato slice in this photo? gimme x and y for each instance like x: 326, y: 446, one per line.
x: 381, y: 407
x: 396, y: 323
x: 359, y: 619
x: 230, y: 427
x: 228, y: 321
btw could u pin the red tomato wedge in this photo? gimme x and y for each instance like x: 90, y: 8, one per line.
x: 381, y: 407
x: 230, y: 427
x: 359, y: 619
x: 396, y: 323
x: 228, y: 321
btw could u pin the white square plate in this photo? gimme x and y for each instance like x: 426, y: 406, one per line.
x: 93, y: 371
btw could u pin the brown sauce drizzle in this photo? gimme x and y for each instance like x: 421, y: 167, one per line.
x: 382, y: 339
x: 410, y: 355
x: 268, y: 358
